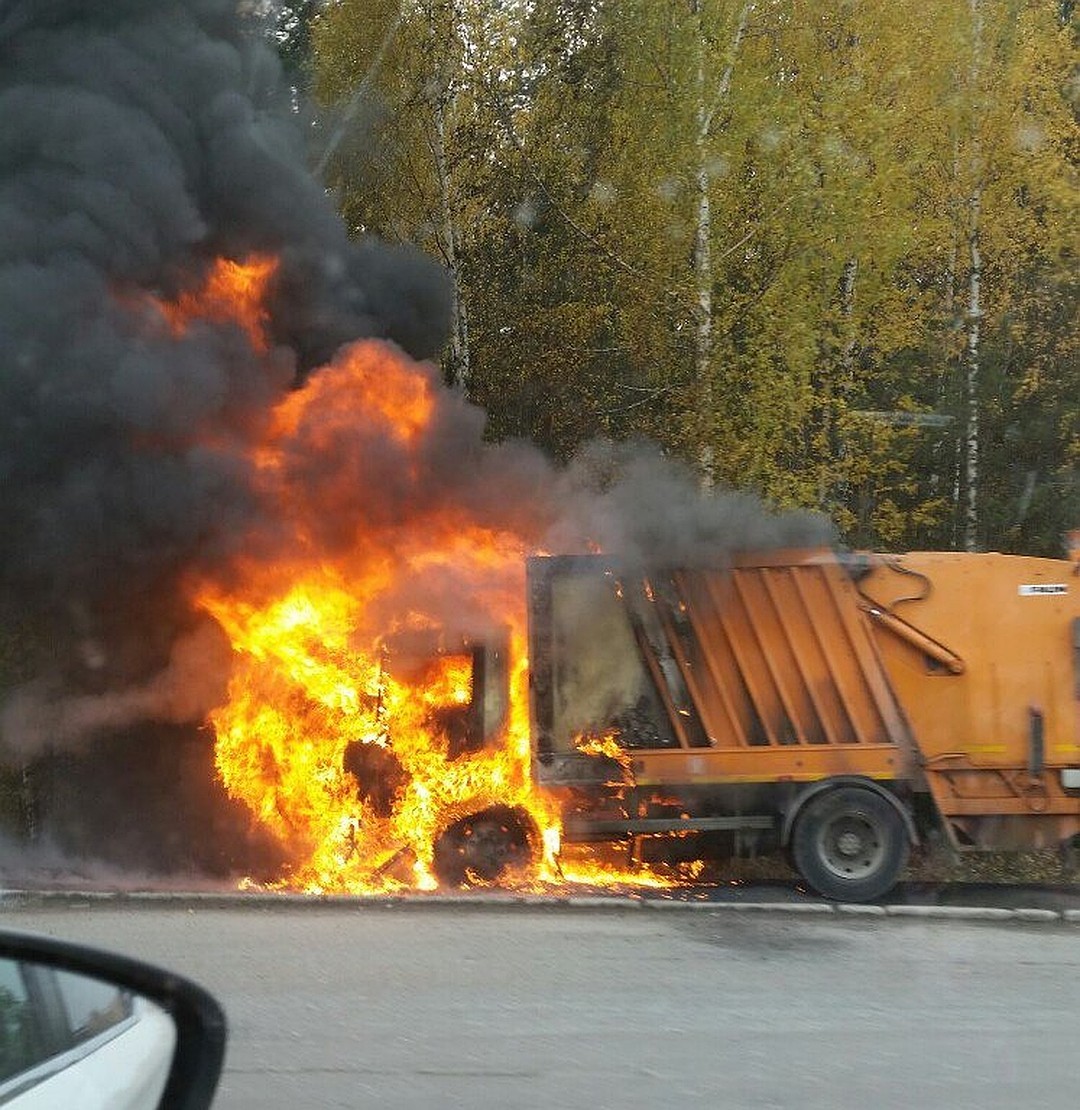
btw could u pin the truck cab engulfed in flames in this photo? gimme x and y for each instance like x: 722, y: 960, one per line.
x: 470, y: 715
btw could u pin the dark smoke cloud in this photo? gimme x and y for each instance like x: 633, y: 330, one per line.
x: 650, y: 510
x: 139, y: 141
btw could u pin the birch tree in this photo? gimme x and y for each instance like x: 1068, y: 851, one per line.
x: 402, y: 69
x: 710, y: 96
x: 1007, y: 145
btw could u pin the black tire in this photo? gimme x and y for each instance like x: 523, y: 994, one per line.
x: 850, y: 844
x: 485, y: 847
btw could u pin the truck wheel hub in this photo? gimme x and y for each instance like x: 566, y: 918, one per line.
x: 851, y: 847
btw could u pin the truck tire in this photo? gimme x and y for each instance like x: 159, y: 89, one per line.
x: 485, y: 847
x: 850, y: 844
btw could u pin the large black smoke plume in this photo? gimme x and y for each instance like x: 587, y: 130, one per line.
x: 139, y: 142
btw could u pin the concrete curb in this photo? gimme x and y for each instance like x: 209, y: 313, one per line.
x: 17, y: 899
x: 963, y: 913
x: 1037, y: 915
x: 796, y: 908
x: 736, y: 907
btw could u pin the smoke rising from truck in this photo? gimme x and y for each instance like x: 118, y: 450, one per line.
x: 149, y: 444
x: 139, y: 142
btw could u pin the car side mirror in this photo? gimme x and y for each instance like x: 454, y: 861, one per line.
x: 87, y: 1028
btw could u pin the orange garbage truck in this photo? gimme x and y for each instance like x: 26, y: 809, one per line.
x: 836, y: 706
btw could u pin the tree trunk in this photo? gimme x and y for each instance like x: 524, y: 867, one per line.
x: 847, y: 313
x: 974, y: 305
x: 449, y: 236
x: 705, y: 109
x: 847, y: 377
x: 948, y: 459
x: 459, y: 328
x: 971, y: 380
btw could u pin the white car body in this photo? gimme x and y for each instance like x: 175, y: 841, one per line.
x: 124, y: 1066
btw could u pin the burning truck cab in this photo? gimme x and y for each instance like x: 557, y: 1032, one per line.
x: 837, y: 706
x: 474, y: 677
x: 469, y: 683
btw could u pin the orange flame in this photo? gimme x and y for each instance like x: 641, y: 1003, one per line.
x: 340, y: 751
x: 233, y: 292
x: 307, y: 684
x: 608, y: 747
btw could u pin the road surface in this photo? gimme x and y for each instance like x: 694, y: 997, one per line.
x: 427, y: 1006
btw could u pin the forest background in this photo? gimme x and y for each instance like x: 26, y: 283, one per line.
x: 822, y: 249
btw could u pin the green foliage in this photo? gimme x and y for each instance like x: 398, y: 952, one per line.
x: 744, y: 229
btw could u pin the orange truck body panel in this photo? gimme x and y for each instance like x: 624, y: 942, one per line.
x: 953, y: 674
x: 784, y: 675
x: 995, y: 738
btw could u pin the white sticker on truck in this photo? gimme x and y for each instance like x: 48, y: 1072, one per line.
x: 1038, y: 589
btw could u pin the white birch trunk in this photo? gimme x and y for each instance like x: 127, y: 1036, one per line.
x: 705, y: 109
x: 459, y: 329
x: 703, y: 339
x: 950, y: 464
x: 847, y: 313
x: 842, y: 487
x: 974, y: 304
x: 971, y: 382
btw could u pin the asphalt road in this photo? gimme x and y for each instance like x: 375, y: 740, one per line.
x: 513, y: 1007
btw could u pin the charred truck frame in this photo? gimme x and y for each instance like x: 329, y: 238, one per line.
x: 835, y: 706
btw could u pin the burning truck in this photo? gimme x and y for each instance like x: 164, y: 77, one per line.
x: 238, y: 500
x: 836, y: 706
x: 414, y: 700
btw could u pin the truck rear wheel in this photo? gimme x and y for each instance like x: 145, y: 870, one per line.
x: 485, y: 847
x: 850, y: 844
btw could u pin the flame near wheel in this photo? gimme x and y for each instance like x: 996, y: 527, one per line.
x: 486, y: 846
